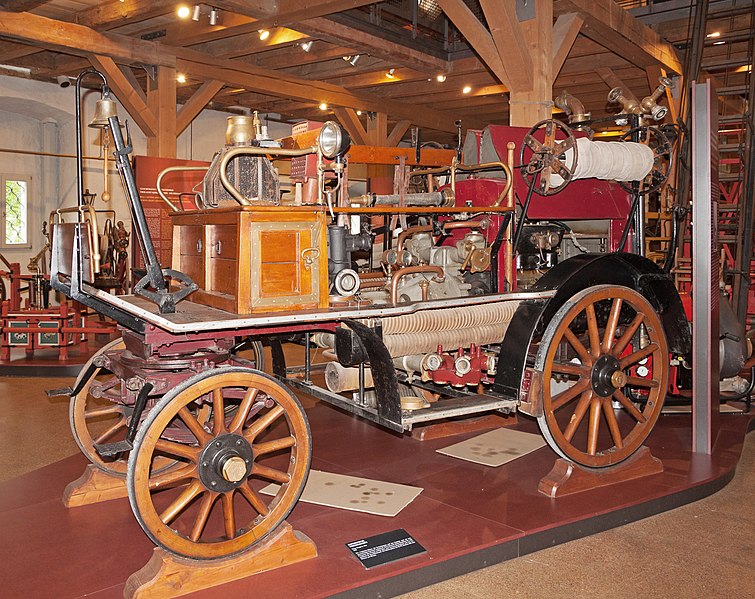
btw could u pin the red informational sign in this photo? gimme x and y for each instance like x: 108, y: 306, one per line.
x: 178, y: 186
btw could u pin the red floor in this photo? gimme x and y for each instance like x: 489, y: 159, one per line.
x: 467, y: 515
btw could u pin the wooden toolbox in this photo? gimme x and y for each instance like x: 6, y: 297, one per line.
x: 252, y: 259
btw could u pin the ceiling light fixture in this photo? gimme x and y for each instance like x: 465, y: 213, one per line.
x: 359, y: 113
x: 323, y: 106
x: 264, y: 34
x: 306, y: 46
x: 214, y: 14
x: 714, y: 34
x: 181, y: 78
x: 196, y: 13
x: 719, y: 43
x: 183, y: 12
x: 467, y: 89
x: 440, y: 78
x: 391, y: 73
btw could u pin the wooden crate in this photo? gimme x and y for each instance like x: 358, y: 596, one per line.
x: 253, y: 259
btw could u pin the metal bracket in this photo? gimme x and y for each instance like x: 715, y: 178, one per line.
x: 166, y: 300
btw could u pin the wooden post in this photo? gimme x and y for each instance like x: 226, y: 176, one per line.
x: 379, y: 177
x: 162, y: 102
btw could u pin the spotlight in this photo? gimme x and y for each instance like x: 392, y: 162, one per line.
x: 214, y: 13
x: 196, y: 13
x: 323, y: 106
x: 440, y: 78
x: 467, y: 89
x: 719, y: 43
x: 183, y: 12
x: 264, y: 34
x: 391, y: 73
x: 359, y: 113
x: 307, y: 46
x: 63, y: 81
x: 181, y: 78
x: 355, y: 59
x: 714, y: 34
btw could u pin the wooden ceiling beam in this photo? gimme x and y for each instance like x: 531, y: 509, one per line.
x: 477, y: 36
x: 565, y: 32
x: 21, y: 5
x: 616, y: 29
x: 131, y: 99
x: 397, y: 133
x: 277, y: 59
x: 114, y: 13
x: 81, y: 41
x: 196, y: 103
x: 509, y: 40
x: 350, y: 120
x: 249, y: 43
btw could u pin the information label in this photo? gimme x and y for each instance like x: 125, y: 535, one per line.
x: 385, y: 548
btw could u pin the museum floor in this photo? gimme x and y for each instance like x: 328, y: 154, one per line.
x: 704, y: 549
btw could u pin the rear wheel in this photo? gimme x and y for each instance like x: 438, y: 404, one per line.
x: 604, y: 359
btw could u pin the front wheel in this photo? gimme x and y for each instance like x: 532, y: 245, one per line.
x: 605, y: 362
x: 210, y: 505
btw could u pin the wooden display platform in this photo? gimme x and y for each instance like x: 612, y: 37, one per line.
x: 92, y: 550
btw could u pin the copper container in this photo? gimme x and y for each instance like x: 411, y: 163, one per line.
x: 240, y: 130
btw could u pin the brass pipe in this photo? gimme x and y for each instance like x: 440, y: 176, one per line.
x: 252, y: 151
x: 471, y: 168
x: 509, y: 264
x: 467, y: 224
x: 172, y: 169
x: 373, y: 283
x: 371, y: 275
x: 409, y: 232
x: 440, y: 275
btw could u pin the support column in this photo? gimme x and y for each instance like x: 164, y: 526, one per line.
x: 161, y: 100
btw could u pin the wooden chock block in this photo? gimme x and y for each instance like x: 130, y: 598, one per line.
x: 167, y: 575
x: 94, y: 486
x: 440, y: 430
x: 566, y: 478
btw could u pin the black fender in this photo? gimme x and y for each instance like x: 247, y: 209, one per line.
x: 573, y: 275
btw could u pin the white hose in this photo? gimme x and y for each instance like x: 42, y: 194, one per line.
x: 608, y: 160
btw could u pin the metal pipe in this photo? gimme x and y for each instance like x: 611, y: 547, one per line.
x: 440, y: 275
x: 253, y: 151
x: 482, y: 223
x: 508, y: 272
x: 79, y: 145
x: 409, y: 232
x: 95, y: 238
x: 172, y: 169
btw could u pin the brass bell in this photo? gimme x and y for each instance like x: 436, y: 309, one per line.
x: 104, y: 109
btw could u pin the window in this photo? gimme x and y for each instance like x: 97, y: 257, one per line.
x: 14, y: 227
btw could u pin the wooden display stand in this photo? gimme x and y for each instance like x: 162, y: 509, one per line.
x: 166, y: 575
x: 566, y: 478
x: 94, y: 486
x: 441, y: 430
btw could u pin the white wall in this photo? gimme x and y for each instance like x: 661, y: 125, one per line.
x: 39, y: 117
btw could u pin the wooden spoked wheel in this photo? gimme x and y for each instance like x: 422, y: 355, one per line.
x: 211, y: 505
x: 98, y: 419
x: 604, y: 360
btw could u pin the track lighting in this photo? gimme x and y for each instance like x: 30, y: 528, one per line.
x: 323, y: 106
x: 214, y: 13
x: 391, y: 73
x: 440, y: 78
x: 466, y: 89
x: 196, y: 13
x: 264, y: 34
x: 352, y: 60
x: 181, y: 78
x: 183, y: 12
x: 307, y: 46
x: 63, y: 81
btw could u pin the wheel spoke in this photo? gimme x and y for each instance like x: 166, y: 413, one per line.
x: 575, y: 369
x: 579, y: 347
x: 270, y: 473
x: 104, y: 411
x: 613, y: 424
x: 594, y: 427
x: 243, y: 412
x: 204, y: 513
x: 592, y: 330
x: 635, y: 381
x: 193, y: 425
x: 629, y: 406
x: 635, y: 357
x: 171, y: 477
x: 254, y: 500
x: 613, y: 322
x: 627, y: 336
x: 229, y: 518
x: 183, y: 500
x: 262, y: 423
x: 111, y: 431
x: 275, y: 445
x: 579, y: 413
x: 177, y: 449
x: 569, y: 394
x: 218, y: 407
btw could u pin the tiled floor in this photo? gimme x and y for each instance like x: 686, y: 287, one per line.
x: 494, y: 513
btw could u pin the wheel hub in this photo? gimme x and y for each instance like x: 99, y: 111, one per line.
x: 225, y: 462
x: 606, y: 376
